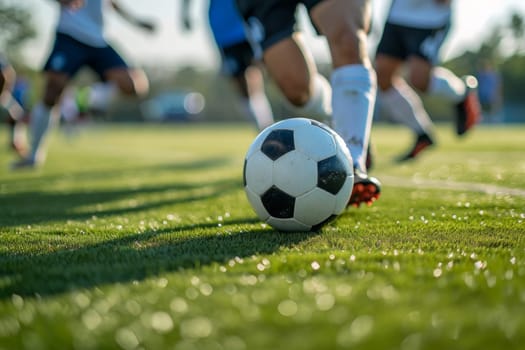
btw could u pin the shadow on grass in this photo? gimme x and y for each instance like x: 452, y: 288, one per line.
x: 36, y: 207
x: 135, y: 257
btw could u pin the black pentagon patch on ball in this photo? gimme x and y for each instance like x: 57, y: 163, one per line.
x: 279, y: 204
x: 277, y: 143
x: 331, y: 174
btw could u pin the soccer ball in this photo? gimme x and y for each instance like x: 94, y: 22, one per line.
x: 298, y: 175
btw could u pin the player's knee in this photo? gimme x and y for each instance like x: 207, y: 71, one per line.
x: 129, y: 82
x: 419, y: 82
x: 52, y: 92
x: 297, y: 97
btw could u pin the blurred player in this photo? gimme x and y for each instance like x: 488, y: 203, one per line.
x: 413, y: 34
x: 12, y: 107
x: 351, y: 96
x: 490, y: 91
x: 237, y: 58
x: 80, y: 42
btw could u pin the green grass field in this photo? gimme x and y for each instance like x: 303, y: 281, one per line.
x: 140, y: 237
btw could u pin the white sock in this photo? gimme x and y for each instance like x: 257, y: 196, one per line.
x: 42, y: 119
x: 446, y: 84
x: 354, y: 93
x: 259, y: 109
x: 101, y: 95
x: 404, y: 105
x: 319, y: 106
x: 69, y: 107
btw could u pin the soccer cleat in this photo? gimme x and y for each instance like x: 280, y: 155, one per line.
x: 423, y: 141
x: 366, y: 189
x: 24, y: 163
x: 468, y: 111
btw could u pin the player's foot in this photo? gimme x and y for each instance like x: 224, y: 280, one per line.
x: 24, y: 163
x: 366, y: 189
x: 469, y: 110
x: 423, y: 141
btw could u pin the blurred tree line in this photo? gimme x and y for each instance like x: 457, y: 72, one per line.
x: 504, y: 48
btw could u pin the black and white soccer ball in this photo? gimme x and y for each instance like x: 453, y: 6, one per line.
x: 298, y: 175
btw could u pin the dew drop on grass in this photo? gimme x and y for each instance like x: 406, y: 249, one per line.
x: 325, y: 301
x: 18, y: 301
x: 126, y: 339
x: 206, y: 289
x: 161, y: 322
x: 287, y: 308
x: 179, y: 305
x: 91, y: 319
x: 192, y: 293
x: 195, y: 328
x: 133, y: 307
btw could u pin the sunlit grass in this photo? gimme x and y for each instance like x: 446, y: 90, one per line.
x: 140, y: 236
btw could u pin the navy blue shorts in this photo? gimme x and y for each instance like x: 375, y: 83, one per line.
x: 402, y: 42
x: 270, y: 21
x: 69, y: 56
x: 236, y: 58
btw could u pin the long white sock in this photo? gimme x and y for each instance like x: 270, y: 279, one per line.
x: 319, y: 106
x: 446, y: 84
x: 405, y: 106
x: 354, y: 90
x: 259, y: 109
x: 42, y: 119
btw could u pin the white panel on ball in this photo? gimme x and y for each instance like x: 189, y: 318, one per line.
x: 295, y: 173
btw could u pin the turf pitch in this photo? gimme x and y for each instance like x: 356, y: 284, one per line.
x: 140, y: 236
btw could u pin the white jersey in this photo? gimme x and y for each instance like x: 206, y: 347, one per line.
x: 425, y: 14
x: 85, y: 24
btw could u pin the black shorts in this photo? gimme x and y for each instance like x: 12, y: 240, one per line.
x: 236, y: 58
x: 401, y: 42
x: 270, y: 21
x: 69, y: 55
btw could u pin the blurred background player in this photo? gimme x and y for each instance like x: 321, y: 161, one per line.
x: 14, y: 111
x: 80, y: 42
x: 413, y: 34
x: 238, y: 61
x: 490, y: 91
x: 350, y: 98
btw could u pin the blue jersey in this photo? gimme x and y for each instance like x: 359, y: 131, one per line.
x: 226, y: 23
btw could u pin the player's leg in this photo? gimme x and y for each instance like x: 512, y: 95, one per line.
x: 292, y: 66
x: 117, y: 77
x: 250, y: 84
x: 345, y: 24
x: 400, y: 46
x: 238, y: 64
x: 461, y: 92
x: 427, y: 77
x: 13, y: 109
x: 270, y: 28
x: 65, y: 59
